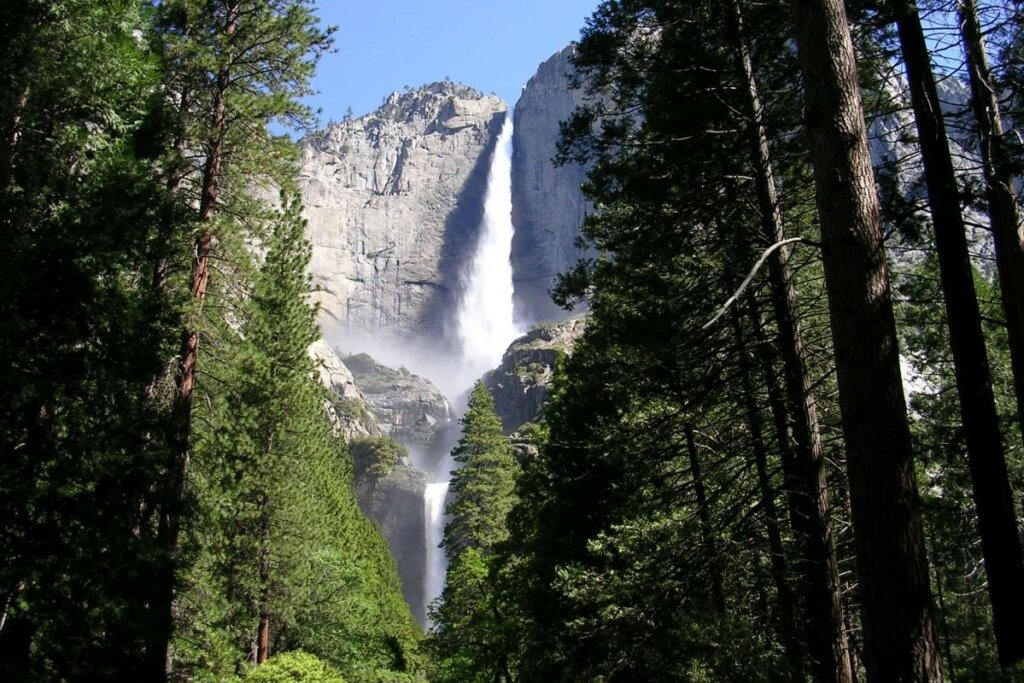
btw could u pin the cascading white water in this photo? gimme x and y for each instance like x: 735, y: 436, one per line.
x: 433, y: 514
x: 485, y: 317
x: 485, y: 329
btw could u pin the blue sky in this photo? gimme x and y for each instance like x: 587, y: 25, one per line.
x: 385, y: 45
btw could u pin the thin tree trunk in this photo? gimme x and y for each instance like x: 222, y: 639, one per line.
x: 785, y: 606
x: 170, y: 518
x: 13, y: 138
x: 706, y: 529
x: 1004, y: 214
x: 830, y: 658
x: 263, y: 631
x: 780, y: 417
x: 900, y: 643
x: 993, y: 498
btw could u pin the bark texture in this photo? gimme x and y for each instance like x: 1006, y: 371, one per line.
x: 900, y: 642
x: 170, y: 517
x: 990, y: 482
x: 1004, y: 214
x: 826, y: 636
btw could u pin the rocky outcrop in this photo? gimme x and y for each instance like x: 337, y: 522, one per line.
x: 406, y: 407
x: 393, y: 201
x: 521, y: 385
x: 346, y: 407
x: 547, y: 203
x: 395, y: 502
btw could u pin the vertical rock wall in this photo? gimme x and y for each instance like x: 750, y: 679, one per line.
x: 547, y: 204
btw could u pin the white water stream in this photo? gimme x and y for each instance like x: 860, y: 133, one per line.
x: 485, y: 327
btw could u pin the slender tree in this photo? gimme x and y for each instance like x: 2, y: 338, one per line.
x: 993, y: 499
x: 826, y: 635
x: 997, y: 170
x: 468, y: 638
x: 899, y: 630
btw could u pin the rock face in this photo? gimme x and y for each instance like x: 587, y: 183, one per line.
x: 371, y: 399
x: 407, y: 407
x: 547, y: 204
x: 395, y: 502
x: 393, y: 200
x: 347, y: 407
x: 521, y: 385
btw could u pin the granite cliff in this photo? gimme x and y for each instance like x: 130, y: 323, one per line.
x: 393, y: 200
x: 547, y: 203
x: 521, y: 385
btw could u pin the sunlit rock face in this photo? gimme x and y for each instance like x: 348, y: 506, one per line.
x: 437, y: 227
x: 394, y: 200
x: 547, y: 204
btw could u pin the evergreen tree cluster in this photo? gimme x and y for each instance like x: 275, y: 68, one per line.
x: 788, y: 445
x: 175, y: 502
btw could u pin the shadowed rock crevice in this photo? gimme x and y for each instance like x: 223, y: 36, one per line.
x: 548, y: 206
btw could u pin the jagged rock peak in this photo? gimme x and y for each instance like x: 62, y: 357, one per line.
x: 442, y: 107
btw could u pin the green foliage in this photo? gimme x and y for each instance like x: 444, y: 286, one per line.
x: 278, y: 529
x: 83, y: 227
x: 467, y: 640
x: 294, y: 667
x: 483, y: 487
x: 610, y: 569
x: 957, y: 567
x: 107, y: 113
x: 375, y: 456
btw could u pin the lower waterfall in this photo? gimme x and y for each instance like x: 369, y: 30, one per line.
x: 433, y: 513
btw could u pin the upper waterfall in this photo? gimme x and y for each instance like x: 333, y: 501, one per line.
x: 485, y: 322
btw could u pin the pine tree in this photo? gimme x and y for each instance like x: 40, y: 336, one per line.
x: 467, y: 640
x: 899, y: 629
x: 236, y: 65
x: 277, y: 527
x: 482, y: 487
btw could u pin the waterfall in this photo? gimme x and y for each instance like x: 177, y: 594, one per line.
x: 433, y: 514
x: 485, y: 328
x: 485, y: 315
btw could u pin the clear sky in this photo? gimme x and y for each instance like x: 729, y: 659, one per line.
x: 491, y: 45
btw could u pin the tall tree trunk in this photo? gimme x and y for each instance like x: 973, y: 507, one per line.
x: 13, y: 137
x: 170, y: 518
x: 1004, y: 214
x: 830, y: 658
x: 785, y: 607
x: 263, y: 630
x: 899, y: 630
x: 993, y: 498
x: 706, y: 528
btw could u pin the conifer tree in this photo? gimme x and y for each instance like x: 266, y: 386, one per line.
x: 237, y: 65
x: 899, y: 628
x: 468, y: 635
x: 997, y: 519
x: 482, y: 487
